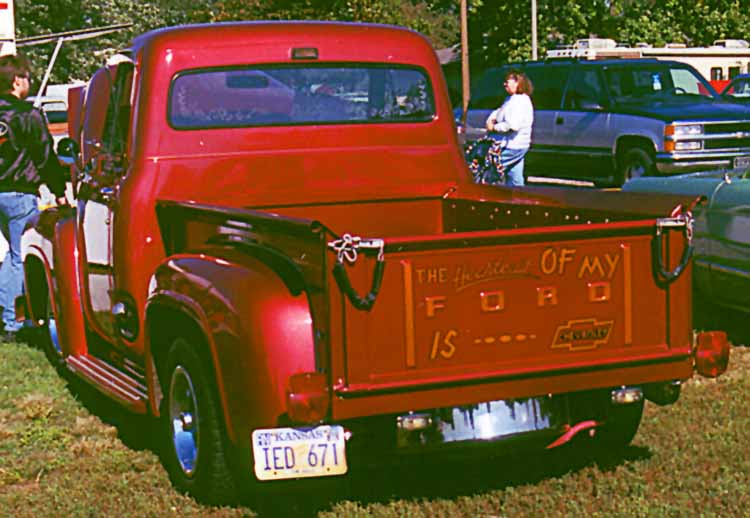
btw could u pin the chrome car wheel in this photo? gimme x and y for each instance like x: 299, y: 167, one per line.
x: 183, y: 414
x: 196, y: 443
x: 634, y: 163
x: 51, y: 326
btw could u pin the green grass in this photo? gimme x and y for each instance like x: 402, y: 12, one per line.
x: 65, y: 451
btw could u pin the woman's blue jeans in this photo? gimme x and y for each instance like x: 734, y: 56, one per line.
x: 512, y: 160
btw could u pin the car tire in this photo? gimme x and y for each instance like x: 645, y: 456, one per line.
x: 44, y: 334
x: 196, y: 451
x: 633, y: 163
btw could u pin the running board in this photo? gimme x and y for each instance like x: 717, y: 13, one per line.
x: 110, y: 380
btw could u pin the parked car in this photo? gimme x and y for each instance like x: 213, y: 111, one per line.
x: 738, y: 89
x: 721, y: 238
x: 55, y: 111
x: 611, y: 120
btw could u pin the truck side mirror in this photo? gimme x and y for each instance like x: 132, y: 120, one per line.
x: 68, y: 150
x: 68, y: 153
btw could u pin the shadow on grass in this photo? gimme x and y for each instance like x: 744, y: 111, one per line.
x: 137, y: 432
x: 428, y: 478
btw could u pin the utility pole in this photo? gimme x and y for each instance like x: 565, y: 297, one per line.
x: 534, y: 53
x: 465, y: 85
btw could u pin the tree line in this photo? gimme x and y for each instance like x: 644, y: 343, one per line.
x: 499, y: 31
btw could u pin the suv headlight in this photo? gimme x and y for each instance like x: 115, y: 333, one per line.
x: 684, y: 130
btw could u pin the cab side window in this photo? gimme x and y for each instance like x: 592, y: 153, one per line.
x: 97, y: 100
x: 548, y: 82
x: 118, y: 112
x: 585, y: 91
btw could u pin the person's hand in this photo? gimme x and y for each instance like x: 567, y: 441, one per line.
x: 61, y: 201
x: 491, y: 124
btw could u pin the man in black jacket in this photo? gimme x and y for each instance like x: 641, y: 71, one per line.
x: 27, y: 160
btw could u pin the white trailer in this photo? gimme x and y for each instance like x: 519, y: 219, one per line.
x: 718, y: 63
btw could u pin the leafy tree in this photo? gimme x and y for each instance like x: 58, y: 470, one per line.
x: 693, y: 22
x: 499, y: 32
x: 439, y: 24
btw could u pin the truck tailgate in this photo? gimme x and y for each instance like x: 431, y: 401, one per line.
x: 512, y: 304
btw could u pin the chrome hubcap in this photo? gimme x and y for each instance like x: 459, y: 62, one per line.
x: 52, y: 329
x: 51, y: 324
x: 183, y: 416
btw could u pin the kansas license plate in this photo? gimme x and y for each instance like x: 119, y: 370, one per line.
x: 742, y: 162
x: 282, y: 453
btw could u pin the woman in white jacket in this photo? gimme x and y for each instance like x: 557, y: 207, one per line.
x: 510, y: 125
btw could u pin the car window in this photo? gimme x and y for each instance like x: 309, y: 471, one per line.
x: 585, y: 90
x: 548, y: 82
x: 739, y: 89
x: 488, y: 92
x: 685, y: 81
x: 295, y: 95
x: 638, y: 83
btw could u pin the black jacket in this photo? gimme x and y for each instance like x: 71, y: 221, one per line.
x: 27, y: 157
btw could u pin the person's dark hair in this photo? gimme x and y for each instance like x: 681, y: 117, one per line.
x: 11, y: 67
x: 524, y: 83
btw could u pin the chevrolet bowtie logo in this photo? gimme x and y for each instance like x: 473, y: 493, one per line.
x: 581, y: 335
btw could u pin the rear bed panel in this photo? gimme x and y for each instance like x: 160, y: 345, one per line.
x: 552, y: 306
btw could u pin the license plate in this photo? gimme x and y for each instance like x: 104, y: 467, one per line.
x: 742, y: 162
x: 282, y: 453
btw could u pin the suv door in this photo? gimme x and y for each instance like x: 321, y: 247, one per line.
x: 583, y: 127
x: 487, y: 95
x: 548, y: 81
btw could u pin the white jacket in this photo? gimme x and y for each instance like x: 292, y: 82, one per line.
x: 513, y: 120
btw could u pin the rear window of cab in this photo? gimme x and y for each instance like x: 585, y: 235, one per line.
x: 299, y: 95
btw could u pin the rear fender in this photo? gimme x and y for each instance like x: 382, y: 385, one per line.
x: 256, y: 333
x: 49, y: 255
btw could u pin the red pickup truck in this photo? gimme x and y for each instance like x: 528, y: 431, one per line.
x: 277, y: 248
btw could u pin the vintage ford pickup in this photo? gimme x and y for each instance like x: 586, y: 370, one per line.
x: 277, y: 248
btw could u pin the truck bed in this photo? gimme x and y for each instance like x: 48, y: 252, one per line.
x: 481, y: 299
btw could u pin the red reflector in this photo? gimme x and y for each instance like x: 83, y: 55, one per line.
x: 711, y: 353
x: 3, y: 5
x: 307, y: 397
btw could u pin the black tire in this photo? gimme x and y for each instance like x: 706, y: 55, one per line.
x: 621, y: 426
x: 634, y: 162
x: 196, y: 445
x: 45, y: 332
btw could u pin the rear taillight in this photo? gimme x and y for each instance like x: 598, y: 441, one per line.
x: 307, y: 397
x: 711, y: 353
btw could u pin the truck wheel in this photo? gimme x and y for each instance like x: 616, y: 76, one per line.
x: 196, y: 453
x: 621, y: 426
x: 634, y: 163
x: 46, y: 330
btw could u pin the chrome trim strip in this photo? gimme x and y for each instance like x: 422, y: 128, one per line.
x: 345, y: 392
x: 745, y: 274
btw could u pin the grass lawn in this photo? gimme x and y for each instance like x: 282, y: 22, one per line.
x: 65, y: 451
